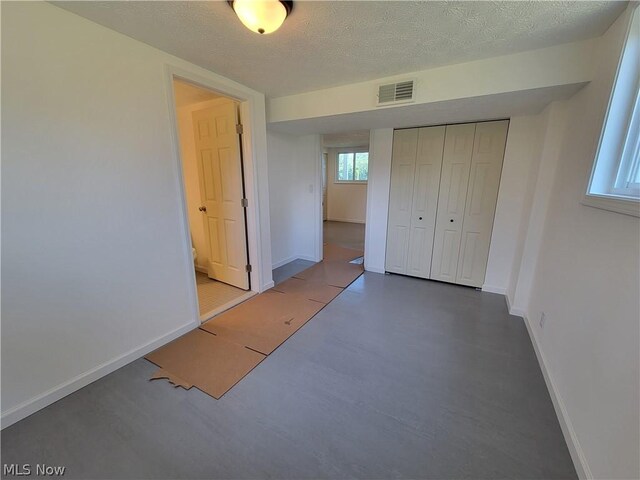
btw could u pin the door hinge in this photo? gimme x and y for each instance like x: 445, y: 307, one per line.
x: 248, y: 268
x: 244, y: 202
x: 239, y: 129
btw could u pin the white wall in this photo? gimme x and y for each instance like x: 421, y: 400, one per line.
x: 375, y: 236
x: 520, y: 161
x: 586, y: 281
x: 535, y: 69
x: 295, y: 186
x: 346, y: 202
x: 191, y: 179
x: 96, y: 268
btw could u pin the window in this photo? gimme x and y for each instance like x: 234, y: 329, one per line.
x: 615, y: 179
x: 352, y: 167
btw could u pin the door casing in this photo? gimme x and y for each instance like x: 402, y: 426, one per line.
x: 252, y: 114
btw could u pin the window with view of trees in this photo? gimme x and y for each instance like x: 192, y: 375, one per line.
x: 352, y: 167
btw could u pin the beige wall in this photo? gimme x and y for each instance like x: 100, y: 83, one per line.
x: 346, y: 202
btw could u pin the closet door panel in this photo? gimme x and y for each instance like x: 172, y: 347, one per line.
x: 482, y: 194
x: 456, y: 163
x: 425, y: 200
x: 403, y: 162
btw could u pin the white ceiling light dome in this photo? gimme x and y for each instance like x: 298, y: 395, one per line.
x: 261, y: 16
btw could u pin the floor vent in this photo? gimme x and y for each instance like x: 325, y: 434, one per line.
x: 393, y: 93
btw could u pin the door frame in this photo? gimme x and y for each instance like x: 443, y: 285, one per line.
x: 252, y: 117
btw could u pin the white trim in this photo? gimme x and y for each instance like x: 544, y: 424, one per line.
x: 577, y: 455
x: 494, y: 289
x: 512, y: 309
x: 318, y: 194
x: 509, y: 302
x: 293, y: 258
x: 374, y: 269
x: 601, y: 191
x: 250, y: 117
x: 285, y: 261
x: 346, y: 220
x: 626, y: 206
x: 515, y: 311
x: 54, y: 394
x: 187, y: 245
x: 201, y: 269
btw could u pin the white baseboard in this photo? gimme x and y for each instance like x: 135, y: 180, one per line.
x: 494, y: 289
x: 284, y: 262
x: 369, y: 268
x: 54, y: 394
x: 577, y: 454
x: 268, y: 285
x: 345, y: 220
x: 291, y: 259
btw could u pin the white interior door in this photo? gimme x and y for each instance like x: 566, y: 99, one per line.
x: 482, y: 194
x: 456, y: 163
x: 403, y: 163
x: 221, y: 191
x: 426, y: 184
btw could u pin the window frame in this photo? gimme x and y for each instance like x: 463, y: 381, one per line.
x: 617, y: 147
x: 350, y: 151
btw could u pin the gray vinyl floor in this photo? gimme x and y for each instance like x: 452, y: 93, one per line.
x: 345, y: 234
x: 396, y: 378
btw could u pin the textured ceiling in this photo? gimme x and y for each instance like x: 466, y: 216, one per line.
x: 330, y: 43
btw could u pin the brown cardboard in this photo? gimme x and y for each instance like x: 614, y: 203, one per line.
x: 336, y: 253
x: 212, y: 364
x: 317, y: 291
x: 265, y: 321
x: 173, y: 379
x: 338, y: 274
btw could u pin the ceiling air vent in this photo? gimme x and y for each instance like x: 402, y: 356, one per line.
x: 393, y: 93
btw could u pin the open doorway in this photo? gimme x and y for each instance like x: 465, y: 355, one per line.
x: 213, y: 176
x: 345, y: 172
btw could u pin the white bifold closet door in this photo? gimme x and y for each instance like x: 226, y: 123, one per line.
x: 456, y: 164
x: 444, y: 187
x: 415, y: 179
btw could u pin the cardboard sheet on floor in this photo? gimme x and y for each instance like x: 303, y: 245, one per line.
x: 336, y: 253
x: 265, y: 321
x: 318, y: 291
x: 337, y: 274
x: 210, y: 363
x: 171, y: 378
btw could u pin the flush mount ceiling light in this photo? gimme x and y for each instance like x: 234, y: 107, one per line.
x: 261, y: 16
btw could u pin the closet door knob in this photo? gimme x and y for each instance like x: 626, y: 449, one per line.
x: 419, y: 218
x: 451, y: 220
x: 204, y: 209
